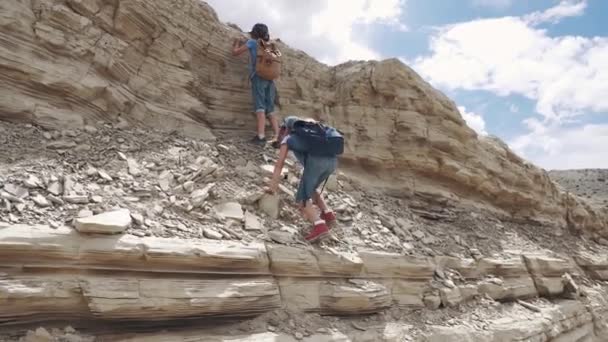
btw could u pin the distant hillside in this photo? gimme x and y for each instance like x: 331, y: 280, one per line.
x: 591, y: 184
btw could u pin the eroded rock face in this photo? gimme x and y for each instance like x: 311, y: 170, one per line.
x: 168, y: 65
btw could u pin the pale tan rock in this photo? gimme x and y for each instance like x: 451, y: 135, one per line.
x: 154, y: 62
x: 361, y: 296
x: 111, y: 222
x: 269, y: 204
x: 232, y: 210
x: 252, y: 222
x: 410, y: 293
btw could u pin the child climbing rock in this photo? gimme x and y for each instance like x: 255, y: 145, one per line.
x: 263, y: 89
x: 316, y: 147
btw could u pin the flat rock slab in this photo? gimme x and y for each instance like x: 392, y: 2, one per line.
x: 112, y: 222
x: 231, y: 210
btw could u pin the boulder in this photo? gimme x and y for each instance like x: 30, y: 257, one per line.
x: 111, y: 222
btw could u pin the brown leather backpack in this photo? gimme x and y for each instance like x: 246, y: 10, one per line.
x: 268, y: 60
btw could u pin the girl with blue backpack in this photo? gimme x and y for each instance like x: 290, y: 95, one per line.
x: 317, y: 148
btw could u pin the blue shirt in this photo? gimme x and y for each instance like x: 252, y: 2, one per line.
x: 252, y: 45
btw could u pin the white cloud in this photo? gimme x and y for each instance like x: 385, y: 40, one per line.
x: 475, y: 121
x: 558, y: 147
x: 566, y: 8
x: 322, y: 28
x: 513, y: 108
x: 567, y: 76
x: 496, y: 4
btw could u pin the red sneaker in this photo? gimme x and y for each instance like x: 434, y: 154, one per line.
x: 319, y: 231
x: 329, y: 217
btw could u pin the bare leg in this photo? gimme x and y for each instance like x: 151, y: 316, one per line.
x: 309, y: 212
x: 261, y: 124
x: 275, y: 124
x: 317, y: 199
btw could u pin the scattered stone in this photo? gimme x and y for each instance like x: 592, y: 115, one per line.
x: 104, y: 175
x: 96, y: 199
x: 76, y: 199
x: 269, y: 204
x: 61, y: 145
x: 358, y: 327
x: 9, y: 197
x: 158, y: 209
x: 285, y: 235
x: 495, y: 281
x: 68, y: 185
x: 32, y: 182
x: 271, y: 328
x: 229, y: 210
x: 82, y: 148
x: 20, y: 207
x: 138, y: 219
x: 47, y: 135
x: 198, y: 197
x: 121, y: 155
x: 252, y: 222
x: 332, y: 183
x: 269, y: 170
x: 111, y: 222
x: 298, y: 335
x: 212, y: 234
x: 286, y: 191
x: 475, y: 253
x: 571, y: 289
x: 91, y: 171
x: 41, y: 201
x: 53, y: 224
x: 432, y: 301
x: 121, y: 124
x: 54, y: 199
x: 188, y: 186
x: 55, y: 188
x: 419, y: 234
x: 529, y: 306
x: 16, y: 190
x: 40, y: 335
x: 90, y: 129
x: 84, y: 213
x: 165, y: 180
x: 133, y: 167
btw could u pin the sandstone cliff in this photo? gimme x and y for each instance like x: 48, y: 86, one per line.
x: 166, y: 64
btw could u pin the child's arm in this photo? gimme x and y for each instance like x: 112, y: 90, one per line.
x: 238, y: 47
x: 278, y: 167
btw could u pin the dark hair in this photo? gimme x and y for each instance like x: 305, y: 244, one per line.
x: 260, y: 31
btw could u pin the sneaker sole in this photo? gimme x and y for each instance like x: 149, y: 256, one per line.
x: 319, y: 237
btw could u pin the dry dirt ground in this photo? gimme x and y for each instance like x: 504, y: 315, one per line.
x: 178, y: 187
x: 591, y: 184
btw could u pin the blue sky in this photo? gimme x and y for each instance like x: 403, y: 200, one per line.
x: 534, y: 73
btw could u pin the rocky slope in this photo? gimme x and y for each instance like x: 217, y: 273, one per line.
x: 129, y: 233
x: 66, y: 63
x: 181, y: 232
x: 591, y: 184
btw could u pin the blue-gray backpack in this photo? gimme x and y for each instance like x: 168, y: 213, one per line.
x: 316, y: 139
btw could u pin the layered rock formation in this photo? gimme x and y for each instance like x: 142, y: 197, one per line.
x: 126, y: 278
x: 168, y: 65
